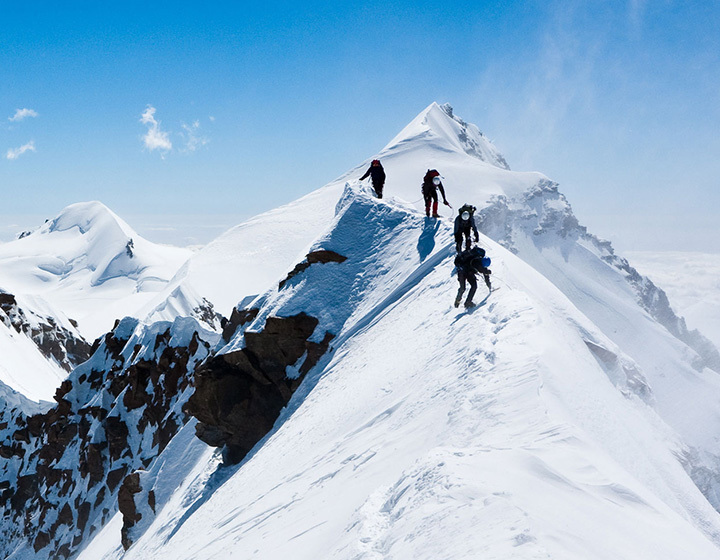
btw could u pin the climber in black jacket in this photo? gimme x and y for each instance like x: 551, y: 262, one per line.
x: 377, y: 175
x: 464, y: 222
x: 468, y: 264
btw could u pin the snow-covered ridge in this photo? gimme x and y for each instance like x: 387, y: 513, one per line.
x: 38, y: 346
x: 407, y: 428
x: 539, y: 225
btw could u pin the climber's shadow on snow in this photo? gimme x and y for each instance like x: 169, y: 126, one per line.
x: 426, y: 241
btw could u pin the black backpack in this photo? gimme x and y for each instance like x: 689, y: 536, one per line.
x: 469, y: 208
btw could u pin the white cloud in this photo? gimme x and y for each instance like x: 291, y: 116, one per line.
x: 154, y: 138
x: 17, y: 152
x: 193, y: 140
x: 21, y: 114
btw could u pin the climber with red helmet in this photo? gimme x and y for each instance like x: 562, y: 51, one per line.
x: 377, y: 175
x: 430, y: 186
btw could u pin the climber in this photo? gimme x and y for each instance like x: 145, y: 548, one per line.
x: 468, y: 264
x: 377, y: 175
x: 430, y: 186
x: 464, y: 222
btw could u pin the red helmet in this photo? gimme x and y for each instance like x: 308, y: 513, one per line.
x: 373, y: 162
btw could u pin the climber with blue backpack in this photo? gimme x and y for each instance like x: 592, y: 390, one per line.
x: 468, y: 264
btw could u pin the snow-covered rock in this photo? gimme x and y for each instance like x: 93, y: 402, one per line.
x: 65, y: 469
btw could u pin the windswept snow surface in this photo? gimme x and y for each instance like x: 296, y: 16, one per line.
x: 90, y: 264
x: 516, y: 430
x: 25, y: 369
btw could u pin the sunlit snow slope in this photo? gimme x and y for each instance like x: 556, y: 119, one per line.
x: 517, y: 430
x: 90, y: 264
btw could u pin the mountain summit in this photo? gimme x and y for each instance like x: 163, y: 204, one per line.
x: 439, y: 128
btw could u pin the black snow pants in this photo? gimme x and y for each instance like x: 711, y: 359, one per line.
x: 470, y: 279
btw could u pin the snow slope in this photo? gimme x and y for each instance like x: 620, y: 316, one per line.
x: 90, y: 264
x: 517, y: 430
x: 38, y: 347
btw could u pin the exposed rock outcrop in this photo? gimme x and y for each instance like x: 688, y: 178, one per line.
x: 321, y: 256
x: 239, y: 395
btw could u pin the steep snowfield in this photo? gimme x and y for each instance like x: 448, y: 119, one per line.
x: 25, y: 369
x: 692, y: 282
x: 38, y: 346
x: 90, y: 264
x: 517, y: 430
x: 247, y: 258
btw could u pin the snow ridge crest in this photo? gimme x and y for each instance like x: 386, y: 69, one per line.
x: 439, y: 127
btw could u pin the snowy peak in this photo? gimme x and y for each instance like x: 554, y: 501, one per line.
x: 86, y: 217
x: 87, y: 262
x: 439, y: 127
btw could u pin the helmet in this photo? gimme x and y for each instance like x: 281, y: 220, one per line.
x: 465, y: 215
x: 375, y: 161
x: 436, y: 180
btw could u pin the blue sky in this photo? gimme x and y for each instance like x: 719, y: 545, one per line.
x: 254, y: 105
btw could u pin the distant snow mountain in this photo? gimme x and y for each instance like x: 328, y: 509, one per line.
x: 90, y: 264
x: 357, y: 414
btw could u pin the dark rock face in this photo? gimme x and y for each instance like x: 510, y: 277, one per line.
x: 321, y: 256
x: 126, y: 504
x: 55, y: 342
x: 82, y: 455
x: 238, y: 396
x: 238, y: 318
